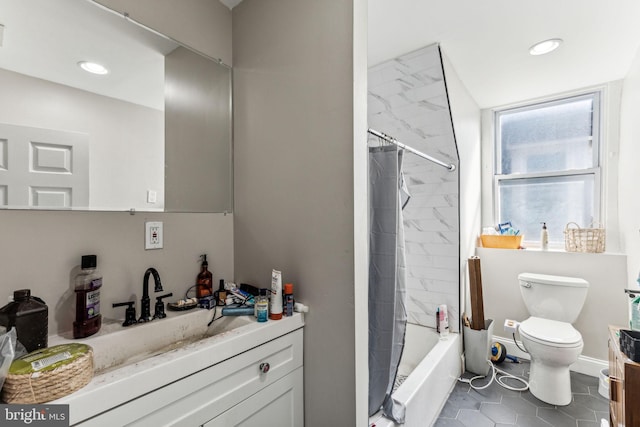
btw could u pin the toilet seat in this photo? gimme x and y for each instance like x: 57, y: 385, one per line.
x: 550, y: 332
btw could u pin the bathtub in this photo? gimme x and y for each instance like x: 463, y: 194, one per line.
x: 427, y: 373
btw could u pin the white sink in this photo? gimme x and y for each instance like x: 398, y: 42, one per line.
x: 115, y: 346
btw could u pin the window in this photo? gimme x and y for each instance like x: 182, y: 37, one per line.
x: 548, y: 165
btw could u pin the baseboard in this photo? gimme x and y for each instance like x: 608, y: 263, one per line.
x: 584, y: 365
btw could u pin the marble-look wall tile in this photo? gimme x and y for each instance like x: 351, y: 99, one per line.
x: 408, y: 101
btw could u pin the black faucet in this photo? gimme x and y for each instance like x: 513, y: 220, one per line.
x: 145, y: 306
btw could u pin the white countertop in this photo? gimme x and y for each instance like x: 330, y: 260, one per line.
x: 119, y: 384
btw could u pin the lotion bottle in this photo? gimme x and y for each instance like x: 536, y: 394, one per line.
x: 544, y: 237
x: 275, y: 302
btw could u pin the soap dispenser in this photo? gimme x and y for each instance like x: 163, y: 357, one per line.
x: 204, y: 281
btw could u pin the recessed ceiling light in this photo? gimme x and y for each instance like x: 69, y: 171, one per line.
x: 93, y: 67
x: 545, y: 46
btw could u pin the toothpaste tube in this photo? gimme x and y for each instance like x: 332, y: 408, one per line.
x: 244, y: 296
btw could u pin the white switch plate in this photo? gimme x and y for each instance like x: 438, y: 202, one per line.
x: 151, y: 196
x: 153, y: 235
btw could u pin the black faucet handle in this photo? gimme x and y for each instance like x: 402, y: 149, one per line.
x: 129, y: 313
x: 159, y: 309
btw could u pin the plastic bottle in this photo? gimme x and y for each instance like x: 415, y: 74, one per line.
x: 544, y: 237
x: 204, y: 281
x: 30, y: 316
x: 87, y: 286
x: 443, y: 321
x: 635, y: 314
x: 288, y: 299
x: 275, y: 305
x: 222, y: 293
x: 300, y: 308
x: 262, y: 305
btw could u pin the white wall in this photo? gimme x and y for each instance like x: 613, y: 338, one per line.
x: 294, y: 180
x: 466, y: 123
x: 610, y: 138
x: 204, y: 25
x: 126, y: 140
x: 607, y: 273
x: 606, y: 303
x: 630, y: 172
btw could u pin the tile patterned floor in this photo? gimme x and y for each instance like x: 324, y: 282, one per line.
x: 496, y: 406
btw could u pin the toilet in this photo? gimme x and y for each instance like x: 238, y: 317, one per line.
x: 554, y: 303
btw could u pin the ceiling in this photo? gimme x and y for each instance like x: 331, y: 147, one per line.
x: 487, y: 42
x: 46, y: 40
x: 230, y: 3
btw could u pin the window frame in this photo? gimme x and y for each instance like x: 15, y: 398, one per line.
x: 597, y: 139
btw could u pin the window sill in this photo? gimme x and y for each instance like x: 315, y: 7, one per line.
x: 558, y: 251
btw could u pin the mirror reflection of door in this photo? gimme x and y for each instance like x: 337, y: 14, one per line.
x: 43, y: 168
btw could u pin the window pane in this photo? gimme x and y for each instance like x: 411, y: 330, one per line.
x: 527, y: 203
x: 547, y: 138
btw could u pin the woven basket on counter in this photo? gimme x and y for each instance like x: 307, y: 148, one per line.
x: 578, y: 239
x: 48, y: 374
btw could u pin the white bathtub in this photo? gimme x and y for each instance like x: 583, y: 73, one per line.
x: 431, y: 366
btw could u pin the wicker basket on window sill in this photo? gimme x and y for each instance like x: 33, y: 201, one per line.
x: 590, y: 240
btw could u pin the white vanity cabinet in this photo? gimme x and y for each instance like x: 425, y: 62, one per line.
x: 260, y: 386
x: 279, y: 404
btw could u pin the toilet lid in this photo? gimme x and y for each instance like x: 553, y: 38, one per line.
x: 552, y: 332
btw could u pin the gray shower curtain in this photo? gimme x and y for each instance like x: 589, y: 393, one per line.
x: 387, y: 288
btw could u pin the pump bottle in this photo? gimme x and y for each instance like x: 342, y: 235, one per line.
x: 544, y: 237
x: 204, y: 281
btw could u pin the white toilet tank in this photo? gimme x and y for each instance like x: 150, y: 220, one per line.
x: 553, y: 297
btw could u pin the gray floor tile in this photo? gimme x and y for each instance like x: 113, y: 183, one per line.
x: 556, y: 418
x: 499, y: 407
x: 520, y: 406
x: 528, y: 421
x: 450, y: 410
x: 579, y: 388
x: 499, y: 412
x: 597, y: 403
x: 593, y: 390
x: 471, y: 418
x: 447, y: 422
x: 535, y: 401
x: 578, y: 411
x: 489, y: 394
x: 463, y: 399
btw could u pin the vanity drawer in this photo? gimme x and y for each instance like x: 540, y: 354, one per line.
x: 197, y: 398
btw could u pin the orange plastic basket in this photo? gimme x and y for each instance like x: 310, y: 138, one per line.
x: 501, y: 242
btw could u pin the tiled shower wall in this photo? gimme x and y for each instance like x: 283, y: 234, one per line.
x: 407, y: 100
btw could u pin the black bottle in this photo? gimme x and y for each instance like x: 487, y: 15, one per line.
x: 30, y: 316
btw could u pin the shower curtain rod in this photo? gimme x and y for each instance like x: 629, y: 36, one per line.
x: 392, y: 140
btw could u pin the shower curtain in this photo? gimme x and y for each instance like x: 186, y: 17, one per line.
x: 387, y: 288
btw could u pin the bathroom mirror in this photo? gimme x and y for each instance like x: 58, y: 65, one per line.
x: 152, y: 134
